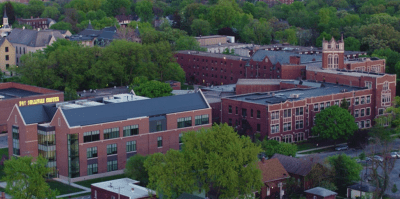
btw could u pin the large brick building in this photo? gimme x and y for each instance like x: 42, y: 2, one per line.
x: 90, y: 137
x: 23, y: 95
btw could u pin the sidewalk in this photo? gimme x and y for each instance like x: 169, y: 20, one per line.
x: 86, y: 190
x: 318, y: 148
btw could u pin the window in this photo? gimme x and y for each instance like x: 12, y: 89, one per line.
x: 368, y: 85
x: 385, y: 85
x: 321, y: 106
x: 258, y: 127
x: 368, y: 99
x: 244, y: 112
x: 362, y: 112
x: 92, y: 169
x: 111, y: 149
x: 237, y: 110
x: 230, y: 109
x: 368, y: 111
x: 275, y: 115
x: 328, y: 104
x: 91, y: 152
x: 112, y: 165
x: 299, y: 124
x: 287, y: 126
x: 6, y: 49
x: 7, y: 66
x: 230, y: 122
x: 159, y: 126
x: 299, y: 137
x: 356, y: 102
x: 15, y: 134
x: 287, y: 138
x: 7, y: 57
x: 251, y: 113
x: 356, y: 113
x: 131, y: 146
x: 367, y: 123
x: 91, y: 136
x: 362, y: 100
x: 258, y: 113
x: 337, y: 102
x: 315, y: 107
x: 275, y: 128
x: 348, y: 102
x: 362, y: 124
x: 287, y: 113
x: 299, y: 111
x: 184, y: 122
x: 131, y: 130
x: 381, y: 111
x: 201, y: 119
x: 111, y: 133
x: 180, y: 138
x: 159, y: 142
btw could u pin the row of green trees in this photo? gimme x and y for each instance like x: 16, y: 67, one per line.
x: 68, y: 66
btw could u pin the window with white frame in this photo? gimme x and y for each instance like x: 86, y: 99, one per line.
x: 356, y: 101
x: 131, y: 146
x: 362, y: 124
x: 299, y: 124
x: 362, y: 113
x: 368, y: 85
x: 386, y: 98
x: 299, y: 111
x: 321, y: 106
x: 111, y: 149
x: 328, y: 104
x: 368, y: 111
x: 315, y: 107
x: 275, y: 128
x: 287, y: 126
x: 276, y: 139
x: 299, y: 137
x: 159, y: 142
x: 362, y: 100
x: 287, y: 138
x: 385, y: 86
x: 348, y: 102
x: 275, y: 115
x: 287, y: 113
x: 337, y: 102
x: 367, y: 123
x: 368, y: 99
x: 356, y: 113
x: 381, y: 111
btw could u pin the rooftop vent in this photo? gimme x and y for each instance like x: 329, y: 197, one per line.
x: 344, y: 90
x: 2, y: 97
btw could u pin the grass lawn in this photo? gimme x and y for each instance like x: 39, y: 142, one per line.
x: 187, y: 87
x: 305, y: 145
x: 87, y: 183
x: 79, y: 195
x: 62, y: 188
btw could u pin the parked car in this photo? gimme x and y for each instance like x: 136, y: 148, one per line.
x: 394, y: 155
x: 376, y: 158
x: 343, y: 147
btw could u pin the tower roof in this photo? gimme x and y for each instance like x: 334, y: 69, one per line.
x: 5, y: 13
x: 90, y: 27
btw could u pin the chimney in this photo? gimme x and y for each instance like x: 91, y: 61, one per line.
x: 263, y: 159
x: 31, y: 17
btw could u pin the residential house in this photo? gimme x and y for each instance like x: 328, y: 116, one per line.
x: 37, y: 23
x: 123, y: 188
x: 274, y: 176
x: 298, y: 169
x: 26, y: 41
x: 364, y: 189
x: 124, y: 20
x: 7, y: 55
x: 92, y: 37
x: 65, y: 33
x: 320, y: 193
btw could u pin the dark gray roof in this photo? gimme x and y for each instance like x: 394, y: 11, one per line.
x: 216, y: 55
x: 295, y: 165
x: 108, y: 35
x: 38, y: 113
x: 283, y: 57
x: 15, y: 92
x: 319, y: 191
x: 2, y: 39
x: 122, y: 111
x: 316, y: 90
x: 365, y: 187
x: 32, y: 37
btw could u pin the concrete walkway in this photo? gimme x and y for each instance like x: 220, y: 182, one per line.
x: 318, y: 148
x: 86, y: 190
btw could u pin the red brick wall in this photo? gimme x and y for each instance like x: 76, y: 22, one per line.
x: 104, y: 194
x: 274, y: 191
x: 216, y: 112
x: 366, y: 64
x: 294, y: 60
x: 146, y: 142
x: 244, y: 89
x: 293, y: 71
x: 325, y: 60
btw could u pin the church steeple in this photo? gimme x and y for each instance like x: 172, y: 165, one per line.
x: 5, y: 18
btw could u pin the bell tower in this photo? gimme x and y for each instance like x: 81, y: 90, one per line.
x: 5, y: 18
x: 333, y: 54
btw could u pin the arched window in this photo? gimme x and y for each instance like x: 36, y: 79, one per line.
x: 336, y: 64
x: 330, y: 61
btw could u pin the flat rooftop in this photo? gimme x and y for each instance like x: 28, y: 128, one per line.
x: 9, y: 93
x: 210, y: 36
x: 239, y: 45
x: 317, y: 67
x: 221, y: 88
x: 283, y: 57
x: 281, y: 96
x: 260, y: 81
x: 215, y: 55
x: 126, y: 187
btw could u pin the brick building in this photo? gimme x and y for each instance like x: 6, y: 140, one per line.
x: 212, y: 40
x: 274, y: 177
x: 37, y: 23
x: 23, y: 95
x: 91, y: 137
x: 123, y: 188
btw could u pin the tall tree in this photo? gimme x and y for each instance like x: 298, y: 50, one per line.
x: 271, y: 147
x: 10, y: 12
x: 135, y: 169
x: 113, y: 7
x: 35, y: 8
x: 26, y: 178
x: 200, y: 27
x: 346, y: 171
x: 334, y: 123
x: 144, y: 9
x: 153, y: 89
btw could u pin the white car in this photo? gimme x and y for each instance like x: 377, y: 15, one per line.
x: 394, y: 155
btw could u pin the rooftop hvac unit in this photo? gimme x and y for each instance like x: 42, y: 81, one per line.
x: 2, y: 97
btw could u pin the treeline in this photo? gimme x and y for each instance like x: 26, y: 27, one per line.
x: 68, y: 66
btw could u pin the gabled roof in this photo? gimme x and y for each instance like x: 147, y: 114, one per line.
x: 319, y: 191
x: 272, y: 170
x: 37, y: 114
x: 284, y: 57
x: 142, y: 108
x: 365, y: 187
x: 295, y: 165
x: 32, y: 37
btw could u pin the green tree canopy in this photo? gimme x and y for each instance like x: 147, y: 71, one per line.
x: 200, y: 27
x: 271, y: 147
x: 144, y: 9
x: 352, y: 44
x: 34, y: 8
x: 26, y: 178
x: 135, y: 169
x: 346, y: 171
x: 153, y: 89
x: 334, y: 123
x: 115, y: 7
x: 62, y: 26
x: 51, y: 12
